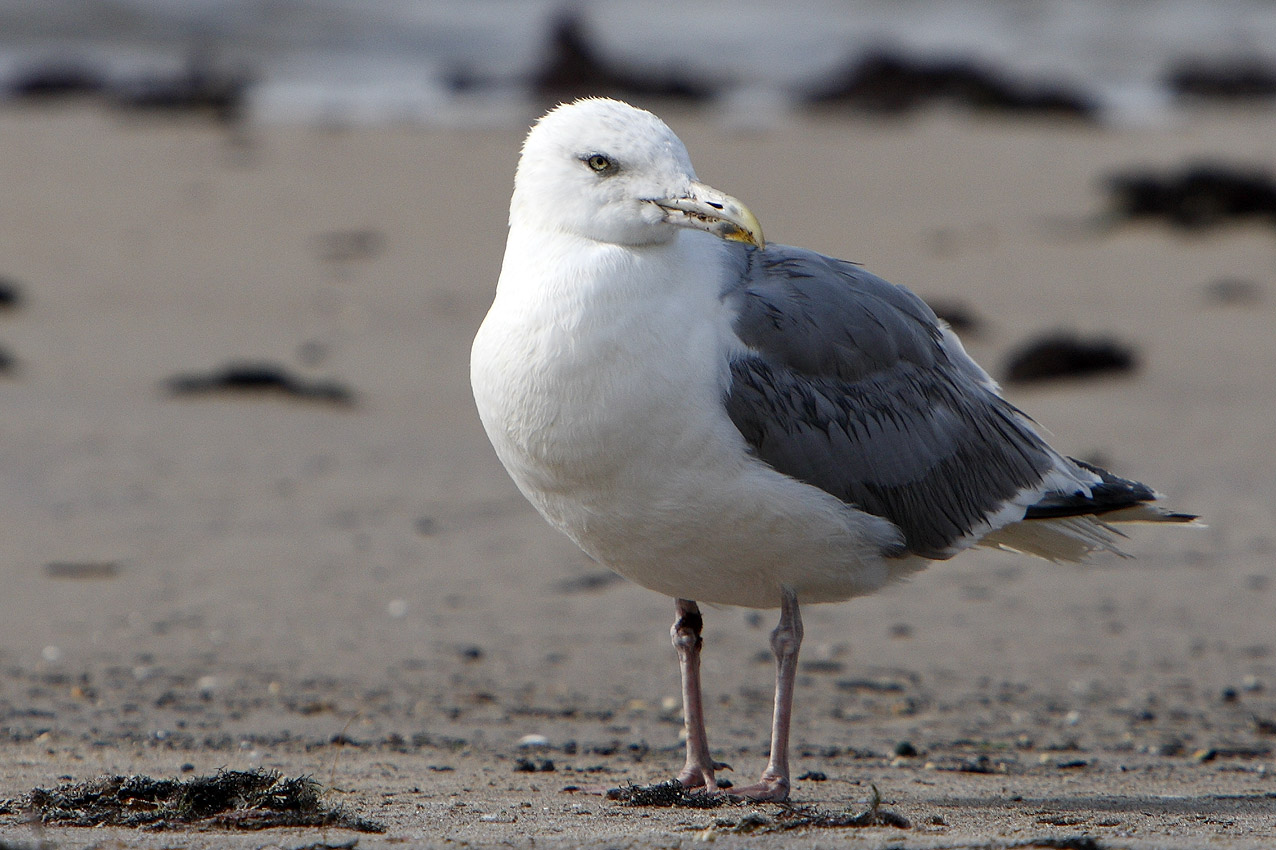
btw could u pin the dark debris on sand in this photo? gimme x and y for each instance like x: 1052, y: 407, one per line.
x: 55, y: 79
x: 888, y: 82
x: 1072, y: 842
x: 789, y: 817
x: 1063, y: 354
x: 10, y: 294
x: 1233, y: 291
x: 574, y: 68
x: 792, y: 817
x: 1199, y: 195
x: 1227, y: 80
x: 202, y: 87
x: 669, y: 794
x: 259, y: 378
x: 957, y: 314
x: 591, y: 582
x: 10, y: 299
x: 809, y: 817
x: 230, y: 799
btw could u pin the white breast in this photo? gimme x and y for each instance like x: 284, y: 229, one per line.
x: 599, y: 375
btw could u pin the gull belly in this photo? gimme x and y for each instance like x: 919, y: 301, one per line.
x: 599, y: 375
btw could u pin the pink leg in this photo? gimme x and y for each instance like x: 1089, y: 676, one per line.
x: 685, y: 633
x: 786, y: 640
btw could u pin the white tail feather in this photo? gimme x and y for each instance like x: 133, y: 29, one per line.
x: 1074, y: 538
x: 1063, y: 539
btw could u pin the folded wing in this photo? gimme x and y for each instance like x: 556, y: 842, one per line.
x: 852, y: 384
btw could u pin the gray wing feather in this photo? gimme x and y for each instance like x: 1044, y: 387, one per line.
x: 829, y: 317
x: 848, y: 385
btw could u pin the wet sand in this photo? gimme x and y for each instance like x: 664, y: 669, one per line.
x: 357, y: 592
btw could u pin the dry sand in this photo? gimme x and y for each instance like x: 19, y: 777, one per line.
x: 359, y: 593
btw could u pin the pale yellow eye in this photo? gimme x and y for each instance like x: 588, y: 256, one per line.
x: 600, y: 163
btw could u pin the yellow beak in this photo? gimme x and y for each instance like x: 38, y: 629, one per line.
x: 705, y: 208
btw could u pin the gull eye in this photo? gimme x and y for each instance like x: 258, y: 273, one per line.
x: 600, y: 163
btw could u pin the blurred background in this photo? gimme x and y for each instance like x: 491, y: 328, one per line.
x: 479, y: 61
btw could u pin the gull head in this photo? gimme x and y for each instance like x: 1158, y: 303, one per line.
x: 604, y: 170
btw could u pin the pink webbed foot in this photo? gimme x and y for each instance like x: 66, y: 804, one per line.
x: 692, y: 777
x: 769, y: 789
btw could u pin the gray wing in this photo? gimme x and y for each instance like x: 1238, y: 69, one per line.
x: 849, y: 384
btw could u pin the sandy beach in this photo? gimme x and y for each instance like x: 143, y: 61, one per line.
x: 355, y: 590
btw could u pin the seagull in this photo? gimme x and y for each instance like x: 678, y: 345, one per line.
x: 734, y: 423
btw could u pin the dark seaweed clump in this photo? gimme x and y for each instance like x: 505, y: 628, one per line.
x: 202, y: 87
x: 886, y: 82
x: 259, y: 378
x: 55, y: 79
x: 1227, y: 80
x: 792, y: 817
x: 1065, y: 355
x: 10, y: 294
x: 811, y: 818
x: 1197, y: 196
x: 669, y: 794
x: 574, y: 68
x: 230, y: 799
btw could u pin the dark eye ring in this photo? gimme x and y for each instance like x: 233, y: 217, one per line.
x: 600, y: 163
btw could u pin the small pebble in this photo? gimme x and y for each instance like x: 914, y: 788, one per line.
x: 533, y: 740
x: 900, y: 631
x: 524, y: 765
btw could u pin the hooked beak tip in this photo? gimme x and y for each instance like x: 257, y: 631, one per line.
x: 705, y: 208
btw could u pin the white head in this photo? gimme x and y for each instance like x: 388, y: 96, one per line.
x: 607, y: 171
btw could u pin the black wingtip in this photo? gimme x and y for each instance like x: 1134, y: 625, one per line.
x: 1112, y: 493
x: 1178, y: 517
